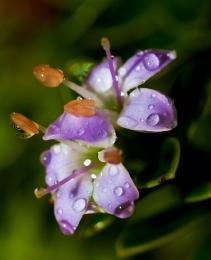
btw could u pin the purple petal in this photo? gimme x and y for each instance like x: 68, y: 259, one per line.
x: 93, y: 129
x: 100, y: 79
x: 142, y: 66
x: 114, y: 191
x: 71, y: 202
x: 71, y: 199
x: 148, y: 110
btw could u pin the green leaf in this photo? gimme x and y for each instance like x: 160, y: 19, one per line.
x: 167, y: 166
x: 95, y: 223
x: 153, y: 232
x: 200, y: 193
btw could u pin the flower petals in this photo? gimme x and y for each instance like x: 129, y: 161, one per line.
x: 114, y: 191
x: 142, y: 66
x: 96, y: 129
x: 71, y: 202
x: 148, y: 110
x: 100, y: 79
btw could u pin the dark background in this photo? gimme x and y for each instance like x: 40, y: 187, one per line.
x: 172, y: 220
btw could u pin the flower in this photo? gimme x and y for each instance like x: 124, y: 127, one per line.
x: 78, y: 192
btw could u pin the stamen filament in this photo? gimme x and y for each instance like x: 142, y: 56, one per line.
x: 40, y: 192
x: 83, y: 91
x: 106, y: 46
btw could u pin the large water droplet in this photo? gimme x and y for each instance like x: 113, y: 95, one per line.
x: 79, y: 205
x: 151, y: 106
x: 113, y: 171
x: 153, y: 119
x: 59, y: 211
x: 66, y: 227
x: 118, y: 191
x: 151, y: 61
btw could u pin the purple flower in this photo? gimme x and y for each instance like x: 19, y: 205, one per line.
x: 79, y: 192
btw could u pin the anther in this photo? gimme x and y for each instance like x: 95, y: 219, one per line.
x: 39, y: 193
x: 81, y: 107
x: 26, y: 127
x: 112, y: 155
x: 48, y: 76
x: 105, y: 43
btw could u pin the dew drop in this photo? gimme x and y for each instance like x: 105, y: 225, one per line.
x: 98, y: 80
x: 122, y: 71
x: 66, y: 227
x: 50, y: 180
x: 127, y: 121
x: 58, y: 194
x: 104, y: 190
x: 79, y: 205
x: 151, y: 61
x: 138, y: 68
x: 153, y: 119
x: 80, y: 131
x: 118, y: 191
x: 113, y: 171
x: 151, y: 106
x: 59, y: 211
x: 153, y: 95
x: 93, y: 176
x: 87, y: 162
x: 45, y: 158
x: 57, y: 149
x: 127, y: 185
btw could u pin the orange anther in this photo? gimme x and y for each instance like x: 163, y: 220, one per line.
x: 81, y: 107
x: 48, y: 76
x: 25, y: 124
x: 113, y: 155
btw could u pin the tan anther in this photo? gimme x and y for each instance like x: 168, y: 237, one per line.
x: 48, y: 76
x: 113, y: 155
x: 81, y: 107
x: 39, y: 193
x: 24, y: 124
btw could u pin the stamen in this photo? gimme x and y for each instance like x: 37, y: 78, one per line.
x: 26, y: 127
x: 48, y: 76
x: 40, y: 192
x: 106, y: 46
x: 81, y: 107
x: 83, y: 91
x: 112, y: 155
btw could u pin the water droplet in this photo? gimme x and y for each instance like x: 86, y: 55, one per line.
x: 113, y: 171
x: 151, y: 61
x: 151, y: 106
x: 79, y: 205
x: 118, y: 191
x: 80, y: 131
x: 109, y: 206
x: 50, y: 180
x: 153, y: 119
x: 127, y: 185
x: 58, y: 194
x: 153, y: 95
x: 59, y: 211
x: 45, y: 158
x: 104, y: 190
x: 126, y: 207
x: 57, y: 149
x: 127, y: 121
x: 93, y: 176
x: 122, y: 71
x: 138, y: 68
x: 87, y: 162
x: 116, y: 77
x: 98, y: 80
x: 66, y: 227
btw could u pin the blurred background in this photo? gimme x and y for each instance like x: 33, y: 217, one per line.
x: 173, y: 215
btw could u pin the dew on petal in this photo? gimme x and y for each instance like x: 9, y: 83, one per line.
x: 127, y: 185
x: 57, y: 149
x: 122, y: 71
x: 45, y: 158
x: 59, y: 211
x: 153, y: 119
x: 113, y: 171
x: 79, y: 205
x: 151, y: 106
x: 127, y: 121
x: 58, y: 194
x: 151, y: 61
x: 80, y: 131
x: 118, y: 191
x: 66, y: 227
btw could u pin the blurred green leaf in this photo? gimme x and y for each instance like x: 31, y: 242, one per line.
x: 153, y: 232
x: 167, y: 166
x: 95, y: 223
x: 200, y: 193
